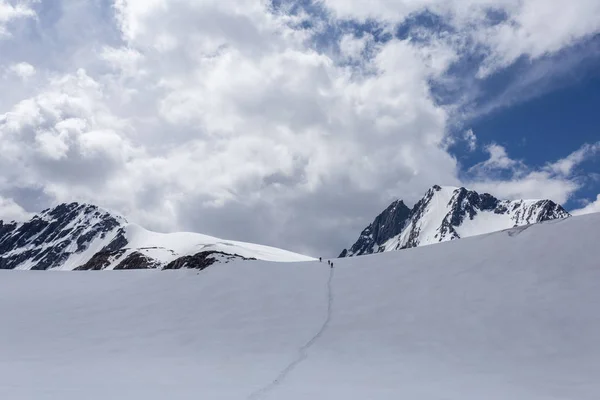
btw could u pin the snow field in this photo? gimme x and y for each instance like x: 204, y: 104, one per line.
x: 508, y: 315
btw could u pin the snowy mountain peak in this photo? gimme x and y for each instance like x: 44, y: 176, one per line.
x: 447, y: 213
x: 57, y: 237
x: 86, y: 237
x: 386, y: 225
x: 80, y: 212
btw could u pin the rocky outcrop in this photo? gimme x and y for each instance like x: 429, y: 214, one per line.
x: 203, y: 260
x: 137, y: 260
x: 385, y: 226
x: 101, y: 260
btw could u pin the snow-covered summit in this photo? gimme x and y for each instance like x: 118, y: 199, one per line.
x: 87, y: 237
x: 61, y: 237
x: 448, y: 213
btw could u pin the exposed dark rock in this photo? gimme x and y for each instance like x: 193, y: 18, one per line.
x: 385, y: 226
x: 101, y: 260
x: 6, y: 230
x: 118, y: 243
x: 137, y: 260
x: 549, y: 211
x: 203, y: 260
x: 134, y: 260
x: 465, y: 204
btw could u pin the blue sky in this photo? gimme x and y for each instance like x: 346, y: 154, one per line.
x: 293, y: 123
x: 542, y: 129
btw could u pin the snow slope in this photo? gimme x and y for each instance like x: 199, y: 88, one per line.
x: 173, y: 245
x: 508, y: 315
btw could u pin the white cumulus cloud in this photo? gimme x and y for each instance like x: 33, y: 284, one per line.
x: 10, y: 11
x: 23, y: 70
x: 557, y: 181
x: 531, y: 28
x: 471, y: 139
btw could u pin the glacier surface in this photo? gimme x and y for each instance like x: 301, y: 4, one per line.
x: 507, y: 315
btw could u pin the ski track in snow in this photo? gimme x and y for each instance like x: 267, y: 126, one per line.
x: 303, y: 352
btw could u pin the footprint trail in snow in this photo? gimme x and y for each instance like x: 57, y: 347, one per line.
x: 303, y: 352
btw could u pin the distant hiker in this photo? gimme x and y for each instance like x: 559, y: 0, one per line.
x: 319, y: 259
x: 331, y: 264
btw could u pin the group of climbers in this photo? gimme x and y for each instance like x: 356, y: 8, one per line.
x: 329, y: 262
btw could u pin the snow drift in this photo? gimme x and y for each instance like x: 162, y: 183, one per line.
x: 508, y: 315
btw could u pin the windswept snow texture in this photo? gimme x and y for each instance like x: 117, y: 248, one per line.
x: 448, y: 213
x: 508, y: 315
x: 86, y: 237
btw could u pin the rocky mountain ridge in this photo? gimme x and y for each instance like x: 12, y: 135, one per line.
x: 86, y: 237
x: 448, y: 213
